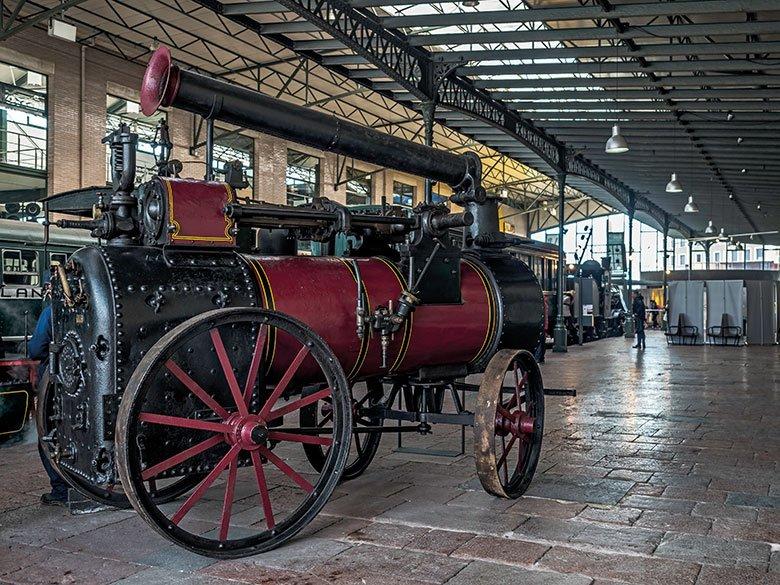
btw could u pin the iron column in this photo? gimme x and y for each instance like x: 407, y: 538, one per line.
x: 666, y: 251
x: 559, y: 333
x: 428, y: 110
x: 629, y: 326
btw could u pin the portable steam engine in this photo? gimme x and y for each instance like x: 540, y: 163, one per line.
x: 200, y: 383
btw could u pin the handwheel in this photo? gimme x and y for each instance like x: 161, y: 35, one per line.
x: 114, y: 496
x: 364, y: 446
x: 209, y: 397
x: 508, y: 423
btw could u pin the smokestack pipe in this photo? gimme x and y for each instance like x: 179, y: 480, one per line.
x: 165, y: 84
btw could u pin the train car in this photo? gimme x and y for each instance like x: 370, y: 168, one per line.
x: 25, y: 263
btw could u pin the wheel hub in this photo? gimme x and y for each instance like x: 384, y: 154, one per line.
x: 250, y: 431
x: 519, y: 423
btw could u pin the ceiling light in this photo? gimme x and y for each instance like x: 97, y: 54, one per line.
x: 691, y: 206
x: 62, y: 30
x: 722, y: 234
x: 710, y: 229
x: 504, y: 193
x: 740, y: 140
x: 758, y: 206
x: 673, y: 186
x: 729, y: 116
x: 743, y: 171
x: 470, y: 3
x: 731, y: 195
x: 616, y: 143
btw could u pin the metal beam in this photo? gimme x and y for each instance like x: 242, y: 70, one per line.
x: 597, y: 33
x: 724, y: 94
x: 604, y: 51
x: 611, y: 67
x: 658, y: 105
x: 669, y: 80
x: 531, y: 15
x: 9, y: 29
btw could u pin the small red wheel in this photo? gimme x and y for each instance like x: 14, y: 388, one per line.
x: 509, y: 423
x: 185, y: 412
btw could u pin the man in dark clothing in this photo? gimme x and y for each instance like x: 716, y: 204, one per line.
x: 638, y: 310
x: 38, y: 348
x: 654, y: 313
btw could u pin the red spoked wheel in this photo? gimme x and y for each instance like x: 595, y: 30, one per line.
x: 509, y: 423
x: 220, y: 395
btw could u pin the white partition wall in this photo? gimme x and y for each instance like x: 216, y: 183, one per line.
x: 724, y: 297
x: 761, y: 312
x: 686, y: 297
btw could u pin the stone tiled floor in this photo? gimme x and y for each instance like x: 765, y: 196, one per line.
x: 663, y: 470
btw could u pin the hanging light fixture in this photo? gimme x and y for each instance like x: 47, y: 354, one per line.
x: 691, y: 206
x: 673, y: 186
x: 616, y: 143
x: 710, y: 229
x: 470, y: 3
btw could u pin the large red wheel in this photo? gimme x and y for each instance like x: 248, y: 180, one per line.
x: 212, y: 397
x: 509, y: 423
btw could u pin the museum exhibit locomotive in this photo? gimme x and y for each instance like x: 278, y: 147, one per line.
x: 224, y: 393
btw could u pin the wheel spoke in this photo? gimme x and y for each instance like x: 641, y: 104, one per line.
x: 180, y: 457
x: 298, y: 438
x: 506, y: 471
x: 206, y: 484
x: 286, y: 469
x: 227, y: 369
x: 297, y: 404
x: 358, y: 444
x: 184, y: 423
x: 285, y: 381
x: 257, y: 360
x: 227, y: 505
x: 263, y: 487
x: 325, y: 419
x: 195, y: 388
x: 507, y: 448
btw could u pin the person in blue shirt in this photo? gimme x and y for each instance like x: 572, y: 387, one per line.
x: 38, y: 349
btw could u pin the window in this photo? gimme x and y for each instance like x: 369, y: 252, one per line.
x: 23, y: 137
x: 759, y: 254
x: 230, y: 147
x: 682, y: 259
x: 403, y: 194
x: 20, y: 267
x: 698, y: 257
x: 733, y: 255
x: 716, y: 256
x: 120, y: 110
x: 358, y: 187
x: 302, y: 177
x: 58, y: 258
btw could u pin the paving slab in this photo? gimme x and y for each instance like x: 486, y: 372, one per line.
x: 624, y: 568
x: 495, y: 574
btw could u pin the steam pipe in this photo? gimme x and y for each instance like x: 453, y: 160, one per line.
x: 165, y: 84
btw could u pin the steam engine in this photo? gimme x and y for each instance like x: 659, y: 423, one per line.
x: 182, y: 357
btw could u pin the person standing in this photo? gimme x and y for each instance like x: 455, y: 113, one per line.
x: 640, y: 314
x: 654, y: 313
x: 38, y: 349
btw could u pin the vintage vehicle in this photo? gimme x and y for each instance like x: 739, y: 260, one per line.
x: 224, y: 394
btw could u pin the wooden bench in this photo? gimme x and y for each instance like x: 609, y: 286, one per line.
x: 682, y: 334
x: 725, y: 332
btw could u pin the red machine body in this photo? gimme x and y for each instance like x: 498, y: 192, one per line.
x: 312, y: 290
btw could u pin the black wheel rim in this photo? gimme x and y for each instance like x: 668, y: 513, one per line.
x: 230, y: 427
x: 364, y: 444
